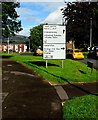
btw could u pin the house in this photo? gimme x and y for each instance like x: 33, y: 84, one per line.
x: 23, y: 47
x: 70, y: 45
x: 13, y: 47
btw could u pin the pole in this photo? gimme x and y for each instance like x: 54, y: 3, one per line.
x: 63, y: 21
x: 90, y: 32
x: 46, y: 63
x: 8, y: 45
x: 65, y: 24
x: 29, y: 45
x: 62, y: 63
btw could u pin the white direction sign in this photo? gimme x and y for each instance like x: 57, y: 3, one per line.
x: 54, y: 42
x: 54, y: 51
x: 53, y: 34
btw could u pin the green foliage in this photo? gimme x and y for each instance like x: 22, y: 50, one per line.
x: 10, y: 24
x: 80, y: 107
x: 36, y: 36
x: 73, y: 71
x: 77, y: 15
x: 85, y: 54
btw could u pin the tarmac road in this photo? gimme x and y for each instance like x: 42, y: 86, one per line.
x: 95, y: 61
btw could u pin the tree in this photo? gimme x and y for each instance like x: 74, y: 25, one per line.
x: 10, y: 24
x: 36, y: 36
x: 77, y: 15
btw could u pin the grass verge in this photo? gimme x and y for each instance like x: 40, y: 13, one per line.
x: 73, y: 71
x: 83, y: 107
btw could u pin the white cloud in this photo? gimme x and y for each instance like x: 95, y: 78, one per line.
x: 26, y: 11
x: 34, y: 19
x: 27, y: 18
x: 54, y: 17
x: 27, y: 14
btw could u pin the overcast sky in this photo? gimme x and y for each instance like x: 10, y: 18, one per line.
x: 35, y: 13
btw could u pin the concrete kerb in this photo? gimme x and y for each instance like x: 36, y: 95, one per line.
x: 60, y: 91
x: 64, y: 95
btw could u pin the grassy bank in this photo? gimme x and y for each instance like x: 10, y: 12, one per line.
x: 83, y: 107
x: 73, y: 71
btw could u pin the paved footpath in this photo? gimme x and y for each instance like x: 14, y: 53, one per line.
x: 26, y: 95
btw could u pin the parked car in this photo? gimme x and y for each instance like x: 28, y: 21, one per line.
x: 38, y: 52
x: 75, y: 54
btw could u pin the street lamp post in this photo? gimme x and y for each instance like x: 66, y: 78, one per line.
x: 64, y: 23
x: 90, y: 32
x: 29, y: 45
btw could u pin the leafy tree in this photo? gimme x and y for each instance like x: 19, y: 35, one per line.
x: 77, y: 15
x: 10, y: 24
x: 36, y: 36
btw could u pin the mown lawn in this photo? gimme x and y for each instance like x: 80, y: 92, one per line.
x: 73, y: 71
x: 84, y: 107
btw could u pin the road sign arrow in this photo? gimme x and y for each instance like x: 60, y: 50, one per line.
x: 63, y: 31
x: 63, y: 48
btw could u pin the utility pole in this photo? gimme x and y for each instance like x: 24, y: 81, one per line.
x: 90, y: 32
x: 29, y: 45
x: 63, y: 21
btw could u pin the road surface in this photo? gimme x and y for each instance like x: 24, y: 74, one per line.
x: 95, y: 61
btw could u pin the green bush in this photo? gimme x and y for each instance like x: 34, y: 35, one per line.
x: 85, y: 54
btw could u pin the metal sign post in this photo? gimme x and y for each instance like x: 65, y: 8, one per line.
x: 46, y: 63
x: 62, y: 63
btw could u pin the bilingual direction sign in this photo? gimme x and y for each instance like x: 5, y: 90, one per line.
x: 53, y: 34
x: 54, y: 42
